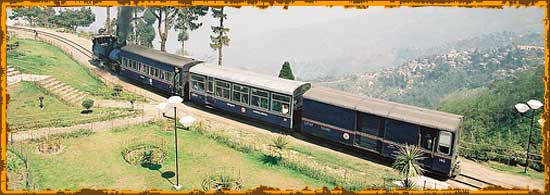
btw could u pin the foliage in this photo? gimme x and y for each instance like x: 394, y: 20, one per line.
x: 286, y: 71
x: 493, y: 130
x: 74, y: 18
x: 407, y: 162
x: 34, y: 15
x: 165, y: 21
x: 280, y: 143
x: 88, y: 103
x: 117, y: 89
x: 220, y: 38
x: 220, y: 181
x: 187, y: 20
x: 77, y: 134
x: 142, y: 32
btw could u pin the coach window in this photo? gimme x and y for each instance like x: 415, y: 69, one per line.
x: 240, y: 93
x: 259, y: 98
x: 162, y: 72
x: 169, y: 76
x: 133, y: 64
x: 368, y: 123
x: 197, y: 82
x: 144, y: 69
x: 223, y: 89
x: 157, y: 72
x: 138, y: 66
x: 444, y: 143
x: 210, y: 84
x: 125, y: 62
x: 427, y: 137
x: 280, y: 103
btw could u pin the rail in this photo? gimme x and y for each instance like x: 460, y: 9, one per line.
x: 62, y: 39
x: 471, y: 181
x: 461, y: 178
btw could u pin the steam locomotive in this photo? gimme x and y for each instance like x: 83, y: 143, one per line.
x: 367, y: 124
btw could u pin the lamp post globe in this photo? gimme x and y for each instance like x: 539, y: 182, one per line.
x: 522, y: 108
x: 161, y: 106
x: 534, y: 104
x: 175, y: 100
x: 187, y: 121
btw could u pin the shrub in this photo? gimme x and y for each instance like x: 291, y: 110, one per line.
x: 88, y: 103
x: 117, y: 90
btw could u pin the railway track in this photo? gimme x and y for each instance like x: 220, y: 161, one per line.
x: 62, y: 39
x: 471, y: 182
x: 461, y: 179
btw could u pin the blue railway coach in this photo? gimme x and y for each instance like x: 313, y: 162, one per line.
x: 156, y: 69
x: 381, y: 126
x: 266, y: 98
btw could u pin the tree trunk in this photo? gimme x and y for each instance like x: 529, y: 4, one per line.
x: 135, y: 28
x: 167, y: 19
x: 220, y: 55
x: 108, y: 21
x: 160, y: 30
x: 220, y: 40
x: 182, y: 47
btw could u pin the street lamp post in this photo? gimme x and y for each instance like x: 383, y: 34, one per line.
x: 523, y: 108
x: 174, y: 100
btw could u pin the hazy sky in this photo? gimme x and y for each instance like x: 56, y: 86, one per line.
x: 328, y: 38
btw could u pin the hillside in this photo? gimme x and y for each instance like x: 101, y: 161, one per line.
x: 349, y: 41
x: 493, y: 129
x: 480, y: 78
x: 424, y: 81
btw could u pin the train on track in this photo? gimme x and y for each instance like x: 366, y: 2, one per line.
x: 372, y: 125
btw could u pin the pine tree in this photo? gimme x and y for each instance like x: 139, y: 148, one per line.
x: 186, y: 21
x: 221, y: 38
x: 286, y: 72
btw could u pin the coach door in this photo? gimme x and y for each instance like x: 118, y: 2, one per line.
x: 209, y: 90
x: 427, y: 143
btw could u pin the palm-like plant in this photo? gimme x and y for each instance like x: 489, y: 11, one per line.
x: 279, y: 143
x: 407, y: 163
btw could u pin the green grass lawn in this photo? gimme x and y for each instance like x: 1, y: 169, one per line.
x: 35, y: 57
x: 95, y: 161
x: 25, y: 114
x: 357, y: 165
x: 517, y: 170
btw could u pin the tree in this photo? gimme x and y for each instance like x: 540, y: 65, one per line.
x: 187, y: 21
x: 74, y: 18
x: 142, y: 31
x: 220, y: 31
x: 88, y: 103
x: 286, y: 72
x: 166, y: 16
x: 406, y: 162
x: 33, y: 15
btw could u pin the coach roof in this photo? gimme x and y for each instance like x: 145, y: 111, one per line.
x: 401, y: 112
x: 253, y: 79
x: 159, y: 56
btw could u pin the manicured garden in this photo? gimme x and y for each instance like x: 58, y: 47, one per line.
x: 97, y: 161
x: 34, y: 57
x: 24, y: 112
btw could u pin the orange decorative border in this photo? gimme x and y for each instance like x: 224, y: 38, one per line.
x: 361, y: 4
